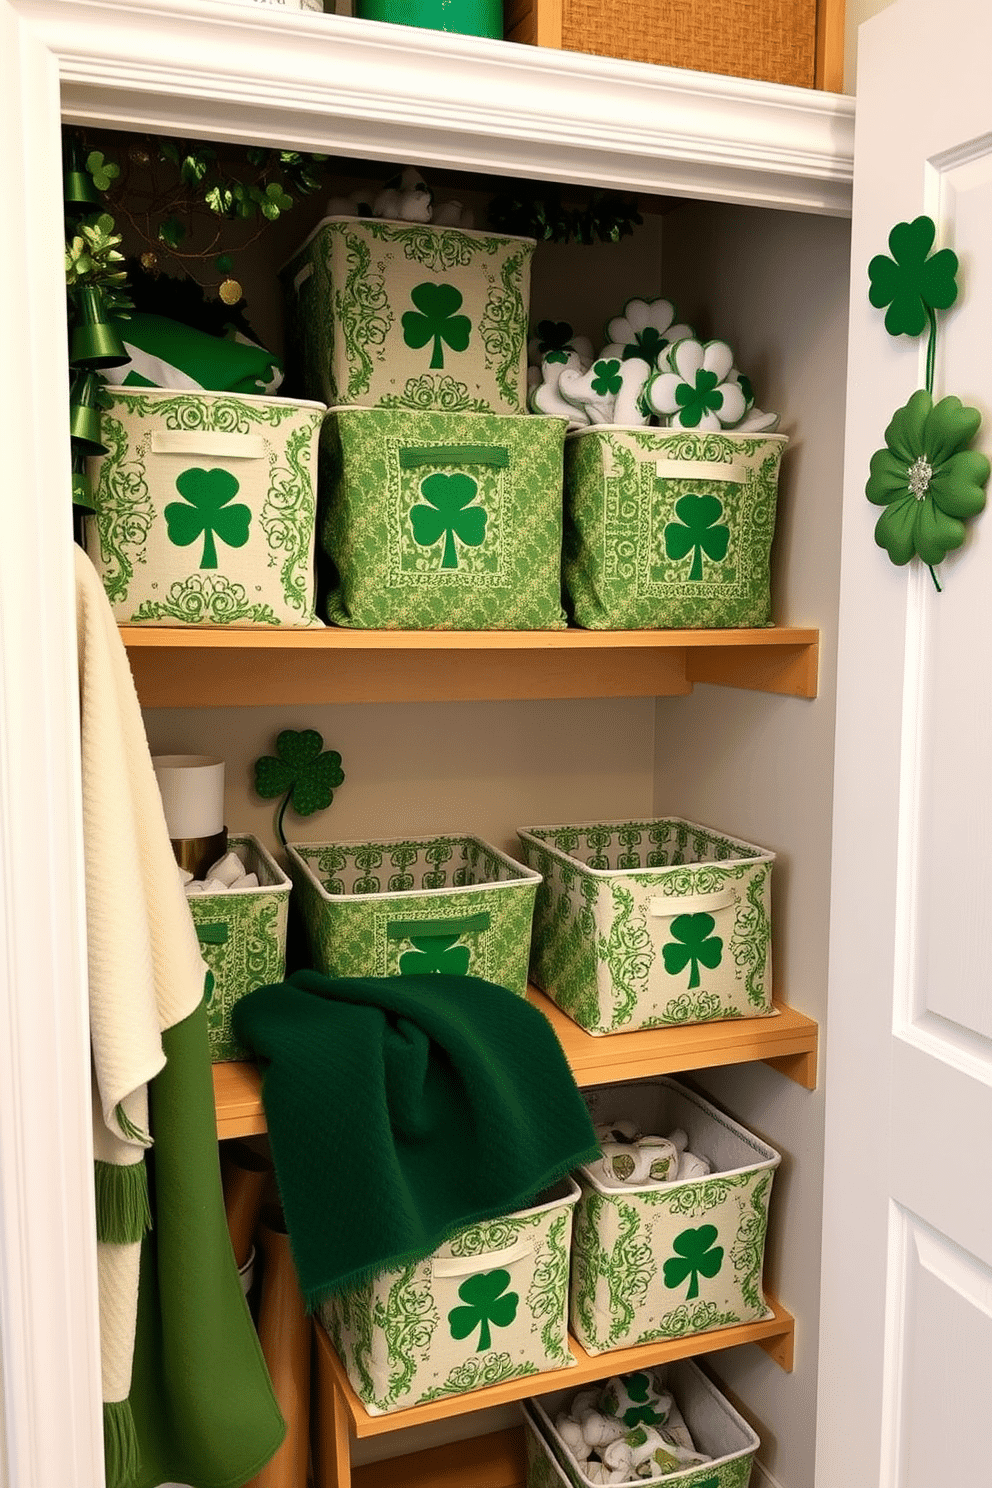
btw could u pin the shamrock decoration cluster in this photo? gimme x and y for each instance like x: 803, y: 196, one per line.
x: 301, y: 771
x: 629, y: 1429
x: 926, y: 477
x: 650, y: 371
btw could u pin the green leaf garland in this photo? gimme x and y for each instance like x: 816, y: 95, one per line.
x: 926, y: 478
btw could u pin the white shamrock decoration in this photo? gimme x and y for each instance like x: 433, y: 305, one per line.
x: 646, y: 329
x: 698, y: 389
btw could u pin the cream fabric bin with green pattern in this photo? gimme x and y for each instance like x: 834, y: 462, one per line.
x: 665, y: 528
x: 645, y: 923
x: 206, y: 508
x: 489, y: 1305
x: 242, y: 935
x: 442, y: 521
x: 408, y: 315
x: 667, y: 1260
x: 716, y: 1428
x: 450, y: 904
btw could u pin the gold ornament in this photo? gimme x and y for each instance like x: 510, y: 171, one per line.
x: 149, y: 262
x: 231, y: 292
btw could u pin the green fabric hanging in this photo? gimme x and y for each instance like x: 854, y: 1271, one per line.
x: 403, y: 1108
x: 203, y: 1406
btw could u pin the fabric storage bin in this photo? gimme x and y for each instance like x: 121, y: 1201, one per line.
x: 442, y: 521
x: 242, y: 934
x: 447, y: 904
x: 717, y: 1430
x: 408, y: 315
x: 669, y: 529
x: 487, y: 1306
x: 206, y: 508
x: 639, y: 924
x: 666, y: 1260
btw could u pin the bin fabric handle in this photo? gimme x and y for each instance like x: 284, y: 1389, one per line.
x: 214, y: 934
x: 691, y: 903
x: 210, y: 442
x: 435, y: 929
x: 490, y: 1260
x: 412, y: 457
x: 714, y: 470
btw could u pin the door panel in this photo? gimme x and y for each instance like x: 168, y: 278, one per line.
x: 905, y: 1356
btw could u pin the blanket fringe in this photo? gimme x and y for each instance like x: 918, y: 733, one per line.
x: 123, y: 1212
x: 120, y: 1444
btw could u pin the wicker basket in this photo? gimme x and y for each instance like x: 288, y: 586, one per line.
x: 778, y: 41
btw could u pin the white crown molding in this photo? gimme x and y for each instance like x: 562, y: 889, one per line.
x: 361, y: 88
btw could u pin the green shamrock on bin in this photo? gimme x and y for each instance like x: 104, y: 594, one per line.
x: 435, y: 953
x: 910, y: 283
x: 693, y: 944
x: 208, y: 513
x: 301, y: 771
x: 487, y: 1301
x: 696, y: 1256
x: 697, y: 532
x: 448, y: 514
x: 435, y: 320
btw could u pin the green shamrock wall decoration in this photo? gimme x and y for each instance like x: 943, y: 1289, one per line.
x: 301, y: 771
x: 927, y: 479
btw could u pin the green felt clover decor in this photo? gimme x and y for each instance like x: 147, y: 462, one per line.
x: 301, y: 771
x: 926, y: 478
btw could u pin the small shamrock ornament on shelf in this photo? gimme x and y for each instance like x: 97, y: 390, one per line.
x: 301, y: 771
x: 926, y: 477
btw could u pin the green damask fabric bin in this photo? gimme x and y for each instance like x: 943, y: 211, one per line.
x: 442, y: 521
x: 639, y: 924
x: 450, y: 904
x: 716, y: 1428
x: 409, y: 315
x: 242, y: 934
x: 667, y: 1260
x: 489, y: 1305
x: 206, y: 508
x: 669, y: 529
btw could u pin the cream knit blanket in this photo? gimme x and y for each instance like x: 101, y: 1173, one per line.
x: 145, y: 975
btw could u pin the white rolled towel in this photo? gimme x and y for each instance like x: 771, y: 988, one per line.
x: 691, y: 1165
x: 599, y: 1430
x: 571, y: 1434
x: 227, y: 869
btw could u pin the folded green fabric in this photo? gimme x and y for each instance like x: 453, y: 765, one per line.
x: 401, y: 1109
x: 203, y: 1405
x: 166, y: 353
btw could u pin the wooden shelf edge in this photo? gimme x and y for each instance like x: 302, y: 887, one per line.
x: 775, y: 1334
x: 496, y: 1460
x: 202, y: 668
x: 788, y: 1041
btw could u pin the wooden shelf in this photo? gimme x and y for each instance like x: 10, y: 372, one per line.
x: 787, y: 1040
x: 203, y: 668
x: 775, y: 1336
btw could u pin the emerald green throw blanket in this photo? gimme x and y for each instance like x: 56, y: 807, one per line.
x: 401, y: 1109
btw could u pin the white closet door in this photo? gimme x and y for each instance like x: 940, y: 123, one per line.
x: 906, y: 1328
